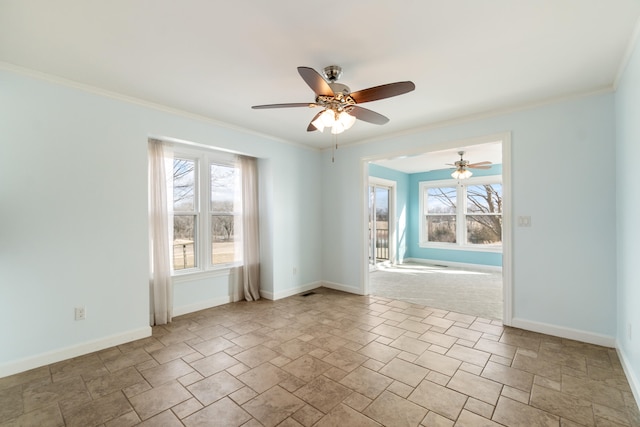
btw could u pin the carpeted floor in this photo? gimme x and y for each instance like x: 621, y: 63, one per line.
x: 478, y: 293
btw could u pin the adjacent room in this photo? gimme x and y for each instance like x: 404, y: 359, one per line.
x: 196, y: 199
x: 450, y: 251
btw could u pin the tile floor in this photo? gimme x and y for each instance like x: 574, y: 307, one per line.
x: 328, y: 359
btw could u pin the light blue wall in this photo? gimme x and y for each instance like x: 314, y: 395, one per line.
x: 408, y: 217
x: 627, y: 208
x: 458, y: 256
x: 564, y: 264
x: 73, y: 215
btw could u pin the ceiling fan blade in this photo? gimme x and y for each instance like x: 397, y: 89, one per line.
x: 383, y: 91
x: 315, y: 81
x: 311, y: 127
x: 294, y: 104
x: 478, y: 167
x: 368, y: 115
x: 480, y: 163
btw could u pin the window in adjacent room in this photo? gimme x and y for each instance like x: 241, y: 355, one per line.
x: 464, y: 215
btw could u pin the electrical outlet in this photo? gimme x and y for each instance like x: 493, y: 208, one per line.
x: 81, y: 313
x: 524, y: 221
x: 295, y: 271
x: 629, y: 331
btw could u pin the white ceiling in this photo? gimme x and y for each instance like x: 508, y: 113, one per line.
x: 218, y: 58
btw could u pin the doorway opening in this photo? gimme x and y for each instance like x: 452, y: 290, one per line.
x: 465, y: 274
x: 381, y: 214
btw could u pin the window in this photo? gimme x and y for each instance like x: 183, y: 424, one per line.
x: 440, y: 217
x: 224, y: 213
x: 484, y: 214
x: 463, y: 216
x: 185, y: 214
x: 207, y: 211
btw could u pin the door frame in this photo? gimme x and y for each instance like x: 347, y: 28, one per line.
x: 391, y: 185
x: 507, y: 212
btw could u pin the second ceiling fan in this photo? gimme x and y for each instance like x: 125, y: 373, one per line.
x: 340, y: 105
x: 462, y: 167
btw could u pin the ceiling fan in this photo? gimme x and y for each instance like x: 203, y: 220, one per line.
x: 339, y: 105
x: 462, y: 167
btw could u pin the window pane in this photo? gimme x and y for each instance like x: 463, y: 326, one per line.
x: 484, y: 229
x: 223, y: 180
x: 484, y: 198
x: 183, y: 185
x: 184, y: 232
x: 441, y: 228
x: 441, y: 200
x: 224, y: 242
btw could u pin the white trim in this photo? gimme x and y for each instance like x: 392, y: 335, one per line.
x: 65, y: 353
x: 507, y: 234
x: 479, y: 267
x: 192, y: 275
x: 392, y: 223
x: 142, y: 103
x: 290, y: 292
x: 563, y: 332
x: 343, y: 288
x: 472, y: 117
x: 505, y: 139
x: 201, y: 305
x: 364, y: 230
x: 627, y: 54
x: 632, y: 376
x: 460, y: 214
x: 266, y: 295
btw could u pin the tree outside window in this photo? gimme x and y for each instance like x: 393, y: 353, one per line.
x: 464, y: 215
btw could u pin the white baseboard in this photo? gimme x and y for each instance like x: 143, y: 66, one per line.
x: 266, y: 295
x: 343, y: 288
x: 632, y: 375
x: 480, y: 267
x: 562, y: 332
x: 202, y: 305
x: 54, y: 356
x: 290, y: 292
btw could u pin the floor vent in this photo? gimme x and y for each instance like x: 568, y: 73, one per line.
x: 308, y: 293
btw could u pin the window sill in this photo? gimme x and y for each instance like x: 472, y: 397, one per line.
x: 454, y: 247
x: 196, y: 274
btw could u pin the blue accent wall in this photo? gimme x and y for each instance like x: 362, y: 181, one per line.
x: 408, y: 217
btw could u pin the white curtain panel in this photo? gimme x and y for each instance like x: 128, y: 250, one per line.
x: 250, y: 229
x: 161, y: 290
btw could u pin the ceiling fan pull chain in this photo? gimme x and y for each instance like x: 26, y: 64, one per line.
x: 334, y: 147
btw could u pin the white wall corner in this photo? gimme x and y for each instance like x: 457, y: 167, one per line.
x: 563, y: 332
x: 81, y: 349
x: 290, y: 292
x: 343, y: 288
x: 266, y: 294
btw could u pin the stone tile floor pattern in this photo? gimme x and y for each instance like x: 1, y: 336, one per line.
x: 328, y: 359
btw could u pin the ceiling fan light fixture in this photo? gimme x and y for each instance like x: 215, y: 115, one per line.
x: 338, y: 122
x: 461, y: 173
x: 328, y: 118
x: 346, y: 119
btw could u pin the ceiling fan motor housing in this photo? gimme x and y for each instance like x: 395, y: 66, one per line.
x: 332, y: 72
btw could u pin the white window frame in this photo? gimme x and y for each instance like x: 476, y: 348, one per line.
x: 461, y: 213
x: 202, y: 207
